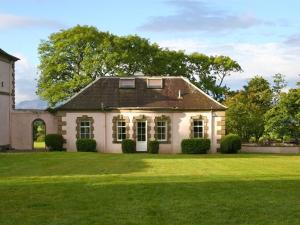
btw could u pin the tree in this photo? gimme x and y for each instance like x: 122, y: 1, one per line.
x: 70, y: 59
x: 208, y: 73
x: 246, y: 109
x: 279, y: 84
x: 284, y: 119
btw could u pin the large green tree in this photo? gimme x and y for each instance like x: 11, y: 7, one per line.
x: 246, y: 109
x: 284, y: 118
x: 70, y: 59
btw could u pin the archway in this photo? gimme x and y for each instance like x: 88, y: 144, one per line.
x: 38, y: 134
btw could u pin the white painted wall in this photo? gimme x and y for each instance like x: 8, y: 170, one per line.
x: 4, y: 120
x: 180, y: 125
x: 22, y: 127
x: 5, y: 101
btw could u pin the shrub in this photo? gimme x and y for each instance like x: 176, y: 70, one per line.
x: 195, y: 146
x: 54, y: 142
x: 264, y: 140
x: 86, y: 145
x: 153, y: 147
x: 128, y: 146
x: 40, y: 138
x: 252, y: 140
x: 231, y: 143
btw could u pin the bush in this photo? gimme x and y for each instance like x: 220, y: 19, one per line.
x: 231, y: 143
x: 54, y: 142
x: 195, y: 146
x: 40, y: 138
x: 86, y: 145
x: 128, y: 146
x: 252, y: 140
x: 264, y: 140
x: 153, y: 147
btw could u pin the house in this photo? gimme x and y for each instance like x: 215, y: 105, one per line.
x: 167, y: 109
x: 7, y: 96
x: 110, y: 109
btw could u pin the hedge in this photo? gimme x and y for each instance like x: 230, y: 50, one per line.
x: 86, y: 145
x: 54, y: 142
x: 231, y: 143
x: 128, y: 146
x: 153, y: 147
x: 195, y: 146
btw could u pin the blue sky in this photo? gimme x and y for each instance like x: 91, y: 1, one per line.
x: 263, y: 36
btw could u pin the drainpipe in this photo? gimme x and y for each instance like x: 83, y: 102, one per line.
x: 10, y: 104
x: 105, y: 132
x: 212, y: 130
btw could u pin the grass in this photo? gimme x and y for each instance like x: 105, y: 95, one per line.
x: 39, y: 145
x: 91, y: 188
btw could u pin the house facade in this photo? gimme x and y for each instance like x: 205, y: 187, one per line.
x: 7, y: 96
x: 167, y: 109
x: 110, y: 109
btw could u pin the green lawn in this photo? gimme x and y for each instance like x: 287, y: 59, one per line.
x: 91, y: 188
x: 39, y: 145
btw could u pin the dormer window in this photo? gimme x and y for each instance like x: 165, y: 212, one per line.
x: 127, y: 83
x: 154, y: 82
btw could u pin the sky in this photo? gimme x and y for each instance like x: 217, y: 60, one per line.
x: 262, y: 36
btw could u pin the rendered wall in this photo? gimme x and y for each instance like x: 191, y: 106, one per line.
x: 5, y: 101
x: 180, y: 128
x: 21, y: 132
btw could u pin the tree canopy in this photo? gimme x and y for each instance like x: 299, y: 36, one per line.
x: 70, y: 59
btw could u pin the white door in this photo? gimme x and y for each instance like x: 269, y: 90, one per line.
x: 141, y: 136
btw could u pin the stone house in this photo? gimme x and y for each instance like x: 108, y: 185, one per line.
x: 142, y: 108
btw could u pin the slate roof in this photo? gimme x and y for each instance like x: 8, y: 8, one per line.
x: 105, y: 94
x: 8, y: 56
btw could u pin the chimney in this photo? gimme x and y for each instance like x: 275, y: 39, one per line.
x: 179, y: 94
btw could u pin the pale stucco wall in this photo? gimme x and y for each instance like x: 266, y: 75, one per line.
x: 21, y: 133
x: 5, y: 101
x: 4, y: 118
x: 103, y: 132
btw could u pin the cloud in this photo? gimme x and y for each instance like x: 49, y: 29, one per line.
x: 264, y: 59
x: 294, y: 40
x: 26, y: 74
x: 197, y: 16
x: 8, y: 21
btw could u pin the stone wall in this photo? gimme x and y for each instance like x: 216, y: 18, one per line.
x: 21, y: 130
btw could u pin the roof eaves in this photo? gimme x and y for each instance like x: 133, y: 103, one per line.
x: 198, y: 89
x: 11, y: 57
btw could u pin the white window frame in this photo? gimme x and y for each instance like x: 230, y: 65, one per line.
x: 120, y: 126
x: 198, y: 126
x: 158, y: 135
x: 85, y: 135
x: 127, y: 86
x: 155, y: 87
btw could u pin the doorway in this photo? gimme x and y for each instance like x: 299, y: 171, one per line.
x: 38, y: 134
x: 141, y: 137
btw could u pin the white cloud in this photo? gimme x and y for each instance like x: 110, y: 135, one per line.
x: 26, y: 74
x: 256, y: 59
x: 194, y: 15
x: 9, y: 21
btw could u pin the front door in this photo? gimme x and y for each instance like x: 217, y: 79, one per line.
x: 141, y: 136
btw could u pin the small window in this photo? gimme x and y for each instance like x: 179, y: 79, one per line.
x: 154, y: 83
x: 85, y: 129
x: 161, y: 130
x: 121, y: 130
x: 198, y: 128
x: 127, y: 83
x: 2, y: 84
